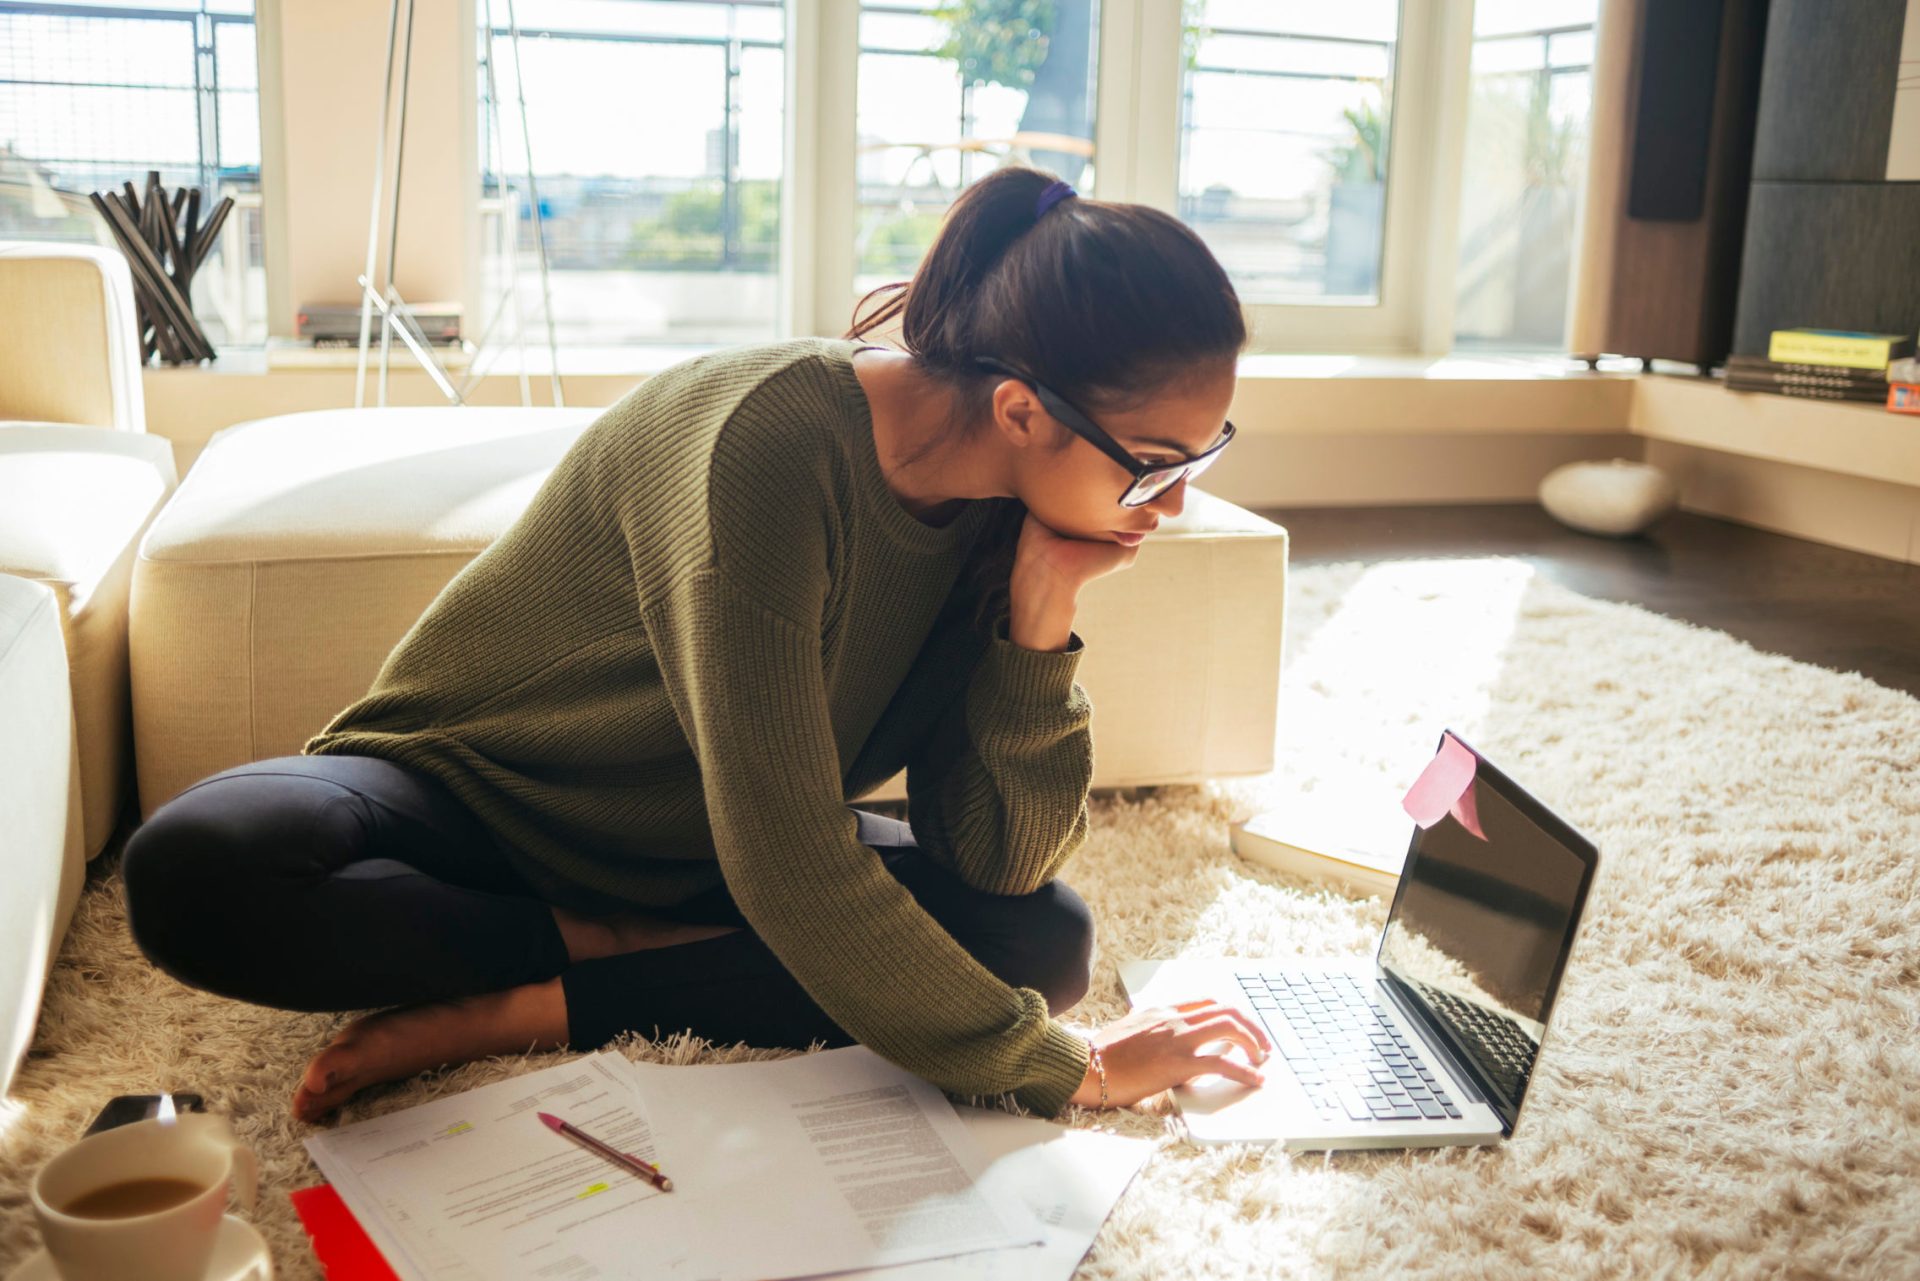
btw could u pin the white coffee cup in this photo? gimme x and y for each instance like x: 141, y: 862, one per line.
x: 172, y: 1244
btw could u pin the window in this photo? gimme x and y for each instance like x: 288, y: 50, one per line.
x: 1286, y: 116
x: 949, y: 93
x: 89, y: 101
x: 1525, y: 171
x: 1319, y: 149
x: 1311, y: 140
x: 656, y: 132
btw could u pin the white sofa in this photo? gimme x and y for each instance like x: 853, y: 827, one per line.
x: 74, y: 502
x: 300, y: 548
x: 80, y: 481
x: 42, y: 863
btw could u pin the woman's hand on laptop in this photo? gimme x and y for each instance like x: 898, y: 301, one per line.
x: 1158, y: 1047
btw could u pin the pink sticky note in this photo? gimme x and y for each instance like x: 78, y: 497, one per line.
x: 1444, y: 787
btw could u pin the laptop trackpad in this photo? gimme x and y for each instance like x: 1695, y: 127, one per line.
x: 1282, y: 1093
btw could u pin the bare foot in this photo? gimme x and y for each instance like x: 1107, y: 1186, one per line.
x: 588, y: 937
x: 400, y: 1043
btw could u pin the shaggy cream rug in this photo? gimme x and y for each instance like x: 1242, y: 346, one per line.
x: 1733, y: 1083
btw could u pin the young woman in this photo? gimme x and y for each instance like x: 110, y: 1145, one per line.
x: 601, y: 784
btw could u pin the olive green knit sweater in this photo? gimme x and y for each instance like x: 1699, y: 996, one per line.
x: 713, y: 627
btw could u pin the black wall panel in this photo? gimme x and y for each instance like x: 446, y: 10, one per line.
x: 1829, y: 255
x: 1826, y: 90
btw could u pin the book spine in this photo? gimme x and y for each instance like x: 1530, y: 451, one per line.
x: 1874, y: 386
x: 1808, y: 391
x: 1790, y: 346
x: 1759, y: 367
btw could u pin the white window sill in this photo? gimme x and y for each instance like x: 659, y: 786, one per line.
x: 292, y: 356
x: 640, y: 361
x: 1459, y: 367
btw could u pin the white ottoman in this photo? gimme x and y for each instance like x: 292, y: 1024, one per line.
x: 74, y: 502
x: 42, y: 862
x: 299, y: 549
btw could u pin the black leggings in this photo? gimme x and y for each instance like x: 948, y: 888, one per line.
x: 349, y: 882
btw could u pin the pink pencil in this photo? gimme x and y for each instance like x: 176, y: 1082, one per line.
x: 626, y: 1160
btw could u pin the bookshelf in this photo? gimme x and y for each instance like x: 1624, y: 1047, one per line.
x: 1838, y: 436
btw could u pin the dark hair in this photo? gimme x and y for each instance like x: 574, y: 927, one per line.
x: 1107, y: 303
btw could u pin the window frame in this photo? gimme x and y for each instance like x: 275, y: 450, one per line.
x: 1137, y: 150
x: 1137, y: 141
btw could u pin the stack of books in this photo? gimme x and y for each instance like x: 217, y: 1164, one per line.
x: 1821, y: 364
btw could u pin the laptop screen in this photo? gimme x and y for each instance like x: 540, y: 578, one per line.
x: 1480, y: 929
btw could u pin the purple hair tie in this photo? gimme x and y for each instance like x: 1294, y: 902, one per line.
x: 1056, y: 191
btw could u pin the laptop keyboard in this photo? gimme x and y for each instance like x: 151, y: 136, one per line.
x: 1346, y: 1052
x: 1503, y: 1051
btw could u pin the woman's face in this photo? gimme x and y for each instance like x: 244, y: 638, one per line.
x: 1074, y: 489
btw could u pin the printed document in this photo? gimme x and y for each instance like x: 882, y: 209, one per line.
x: 822, y: 1162
x: 1069, y: 1180
x: 472, y: 1187
x: 828, y: 1163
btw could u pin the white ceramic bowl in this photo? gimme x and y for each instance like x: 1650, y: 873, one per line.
x: 1616, y: 497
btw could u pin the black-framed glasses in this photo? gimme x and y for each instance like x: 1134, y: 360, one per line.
x: 1150, y: 480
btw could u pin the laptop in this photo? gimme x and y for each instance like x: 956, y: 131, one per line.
x: 1433, y: 1042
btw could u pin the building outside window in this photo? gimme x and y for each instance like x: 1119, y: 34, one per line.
x: 947, y: 94
x: 93, y: 97
x: 656, y: 137
x: 1525, y: 171
x: 1285, y: 118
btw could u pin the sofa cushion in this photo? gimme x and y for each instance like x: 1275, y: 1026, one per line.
x: 74, y: 502
x: 334, y: 483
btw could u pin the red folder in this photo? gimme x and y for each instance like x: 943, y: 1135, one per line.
x: 341, y: 1245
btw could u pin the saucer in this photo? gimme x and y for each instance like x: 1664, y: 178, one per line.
x: 239, y: 1254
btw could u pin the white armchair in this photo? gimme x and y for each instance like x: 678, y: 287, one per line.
x: 71, y: 350
x: 80, y: 481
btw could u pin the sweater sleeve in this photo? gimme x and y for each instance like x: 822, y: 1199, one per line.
x: 997, y: 788
x: 747, y: 685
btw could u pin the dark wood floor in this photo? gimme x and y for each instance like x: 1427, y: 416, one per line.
x: 1820, y: 604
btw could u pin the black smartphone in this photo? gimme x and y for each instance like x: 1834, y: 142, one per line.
x: 128, y: 1108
